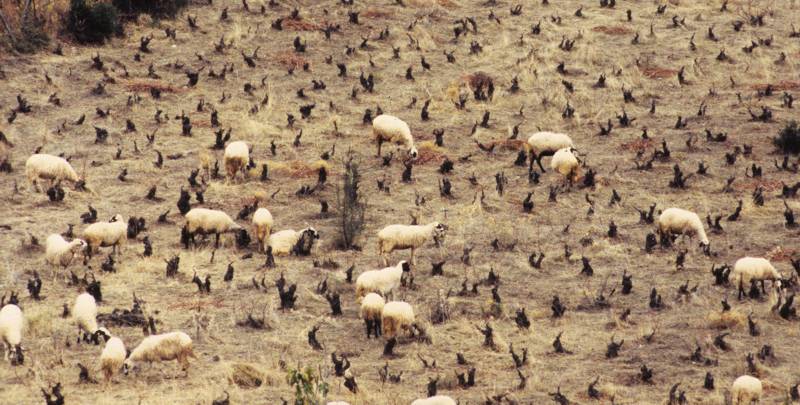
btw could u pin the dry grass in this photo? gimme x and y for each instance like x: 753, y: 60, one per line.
x: 232, y: 358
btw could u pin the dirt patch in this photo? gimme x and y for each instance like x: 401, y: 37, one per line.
x: 373, y: 12
x: 612, y: 30
x: 638, y: 145
x: 146, y: 85
x: 302, y: 24
x: 783, y: 85
x: 291, y: 59
x: 655, y: 72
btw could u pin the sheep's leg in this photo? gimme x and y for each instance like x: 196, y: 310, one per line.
x: 377, y: 326
x: 380, y: 143
x: 763, y: 290
x: 539, y: 162
x: 368, y: 323
x: 413, y: 259
x: 216, y: 240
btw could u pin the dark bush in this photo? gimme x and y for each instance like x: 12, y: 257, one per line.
x: 352, y: 206
x: 130, y: 9
x: 788, y: 140
x: 28, y: 34
x: 93, y: 23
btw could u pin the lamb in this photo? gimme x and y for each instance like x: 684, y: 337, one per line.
x: 746, y: 390
x: 113, y: 233
x: 371, y: 311
x: 396, y: 316
x: 680, y: 221
x: 112, y: 357
x: 11, y: 324
x: 543, y: 144
x: 84, y: 313
x: 236, y: 159
x: 42, y: 166
x: 164, y: 347
x: 435, y: 400
x: 754, y: 268
x: 382, y: 281
x: 262, y: 226
x: 59, y: 252
x: 289, y: 241
x: 400, y: 237
x: 208, y: 221
x: 566, y: 163
x: 392, y: 129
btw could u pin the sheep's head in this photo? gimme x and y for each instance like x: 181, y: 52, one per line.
x: 78, y: 245
x: 412, y: 152
x: 405, y: 266
x: 15, y: 355
x: 101, y: 332
x: 439, y: 232
x: 117, y: 218
x: 311, y: 232
x: 127, y: 365
x: 305, y: 242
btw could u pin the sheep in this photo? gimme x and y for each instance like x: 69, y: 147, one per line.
x: 262, y: 225
x: 84, y: 313
x: 754, y: 268
x: 382, y: 281
x: 11, y: 324
x: 42, y: 166
x: 680, y: 221
x: 59, y: 252
x: 543, y: 144
x: 400, y: 237
x: 435, y: 400
x: 236, y: 159
x: 566, y: 163
x: 163, y: 347
x: 112, y: 357
x: 746, y: 390
x: 390, y: 128
x: 113, y: 233
x: 207, y: 221
x: 370, y: 311
x: 396, y: 316
x: 289, y: 241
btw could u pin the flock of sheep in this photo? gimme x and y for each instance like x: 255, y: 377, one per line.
x: 375, y: 290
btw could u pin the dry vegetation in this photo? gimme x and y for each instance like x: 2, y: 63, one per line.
x: 245, y: 343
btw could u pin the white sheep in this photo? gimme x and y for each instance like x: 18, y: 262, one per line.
x: 288, y: 241
x: 42, y: 166
x: 207, y: 221
x: 371, y: 311
x: 566, y: 163
x: 262, y: 227
x: 400, y: 237
x: 396, y: 316
x: 435, y: 400
x: 382, y: 281
x: 236, y: 159
x: 164, y: 347
x: 112, y: 357
x: 754, y: 268
x: 84, y: 314
x: 59, y: 252
x: 680, y: 221
x: 547, y: 144
x: 746, y: 390
x: 11, y: 324
x: 104, y: 234
x: 388, y: 128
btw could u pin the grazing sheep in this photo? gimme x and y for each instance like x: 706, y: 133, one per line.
x: 680, y: 221
x: 566, y: 163
x: 84, y: 312
x: 547, y: 144
x: 435, y: 400
x: 164, y: 347
x: 112, y: 357
x: 392, y: 129
x: 42, y: 166
x: 396, y: 316
x: 236, y: 159
x: 400, y: 237
x: 104, y: 234
x: 11, y: 324
x: 382, y: 281
x: 207, y: 221
x: 371, y: 311
x: 746, y: 390
x: 289, y: 241
x: 262, y: 226
x: 753, y: 268
x: 59, y: 252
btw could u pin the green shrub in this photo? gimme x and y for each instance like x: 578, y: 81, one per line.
x: 156, y: 8
x: 309, y: 387
x: 93, y: 23
x: 788, y: 140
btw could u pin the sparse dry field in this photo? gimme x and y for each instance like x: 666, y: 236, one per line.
x: 603, y: 46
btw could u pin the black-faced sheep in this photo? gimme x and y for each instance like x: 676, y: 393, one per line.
x: 289, y: 241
